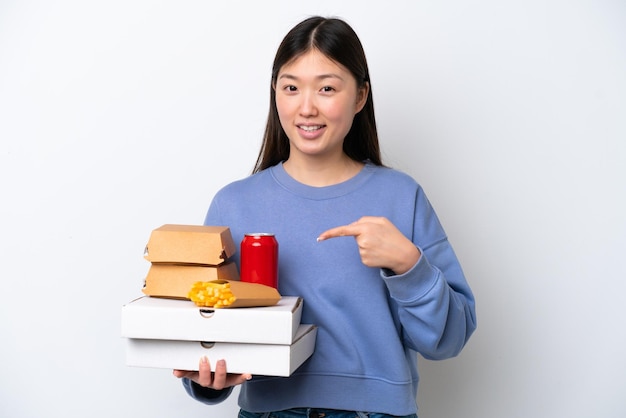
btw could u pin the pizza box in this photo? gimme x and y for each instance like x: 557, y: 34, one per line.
x: 256, y: 359
x: 172, y: 319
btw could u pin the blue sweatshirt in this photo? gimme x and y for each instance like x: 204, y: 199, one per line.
x: 371, y: 323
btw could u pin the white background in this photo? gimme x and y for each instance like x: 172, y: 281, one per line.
x: 119, y: 116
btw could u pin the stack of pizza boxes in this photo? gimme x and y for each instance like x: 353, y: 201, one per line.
x: 259, y: 333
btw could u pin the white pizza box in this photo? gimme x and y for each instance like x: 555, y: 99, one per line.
x: 174, y: 319
x: 256, y: 359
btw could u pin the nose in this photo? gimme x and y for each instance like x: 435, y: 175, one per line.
x: 308, y: 106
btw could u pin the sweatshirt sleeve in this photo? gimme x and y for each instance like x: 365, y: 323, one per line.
x: 435, y: 305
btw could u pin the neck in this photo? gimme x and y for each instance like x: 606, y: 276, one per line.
x: 317, y: 173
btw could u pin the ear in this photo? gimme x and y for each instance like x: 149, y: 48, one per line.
x: 361, y: 96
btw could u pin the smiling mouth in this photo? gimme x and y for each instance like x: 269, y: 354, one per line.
x: 311, y: 128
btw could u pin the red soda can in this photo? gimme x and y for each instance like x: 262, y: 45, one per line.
x: 259, y: 259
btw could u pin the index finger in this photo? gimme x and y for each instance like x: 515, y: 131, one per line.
x: 339, y: 231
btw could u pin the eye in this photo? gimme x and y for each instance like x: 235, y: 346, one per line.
x: 327, y: 89
x: 290, y: 88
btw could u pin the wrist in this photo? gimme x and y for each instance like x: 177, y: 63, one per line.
x: 407, y: 261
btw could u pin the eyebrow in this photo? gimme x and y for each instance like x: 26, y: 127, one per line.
x: 319, y: 77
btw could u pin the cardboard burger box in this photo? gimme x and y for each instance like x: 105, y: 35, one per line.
x: 190, y: 244
x: 175, y: 280
x: 170, y: 319
x: 256, y: 359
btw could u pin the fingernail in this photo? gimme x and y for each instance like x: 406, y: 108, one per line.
x: 204, y: 359
x: 248, y: 377
x: 320, y: 239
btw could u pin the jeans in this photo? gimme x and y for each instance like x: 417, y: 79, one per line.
x: 316, y: 413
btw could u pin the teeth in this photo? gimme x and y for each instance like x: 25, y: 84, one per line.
x: 310, y: 128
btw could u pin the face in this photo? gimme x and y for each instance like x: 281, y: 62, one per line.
x: 317, y: 100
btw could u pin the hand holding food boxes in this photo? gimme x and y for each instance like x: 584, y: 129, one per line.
x: 181, y: 319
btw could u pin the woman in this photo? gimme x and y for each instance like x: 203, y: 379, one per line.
x: 358, y: 241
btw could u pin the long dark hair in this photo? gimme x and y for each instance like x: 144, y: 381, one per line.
x: 337, y: 40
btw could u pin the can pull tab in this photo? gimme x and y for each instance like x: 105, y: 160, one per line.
x: 206, y: 313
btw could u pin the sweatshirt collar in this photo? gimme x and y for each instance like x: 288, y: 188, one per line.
x: 321, y: 193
